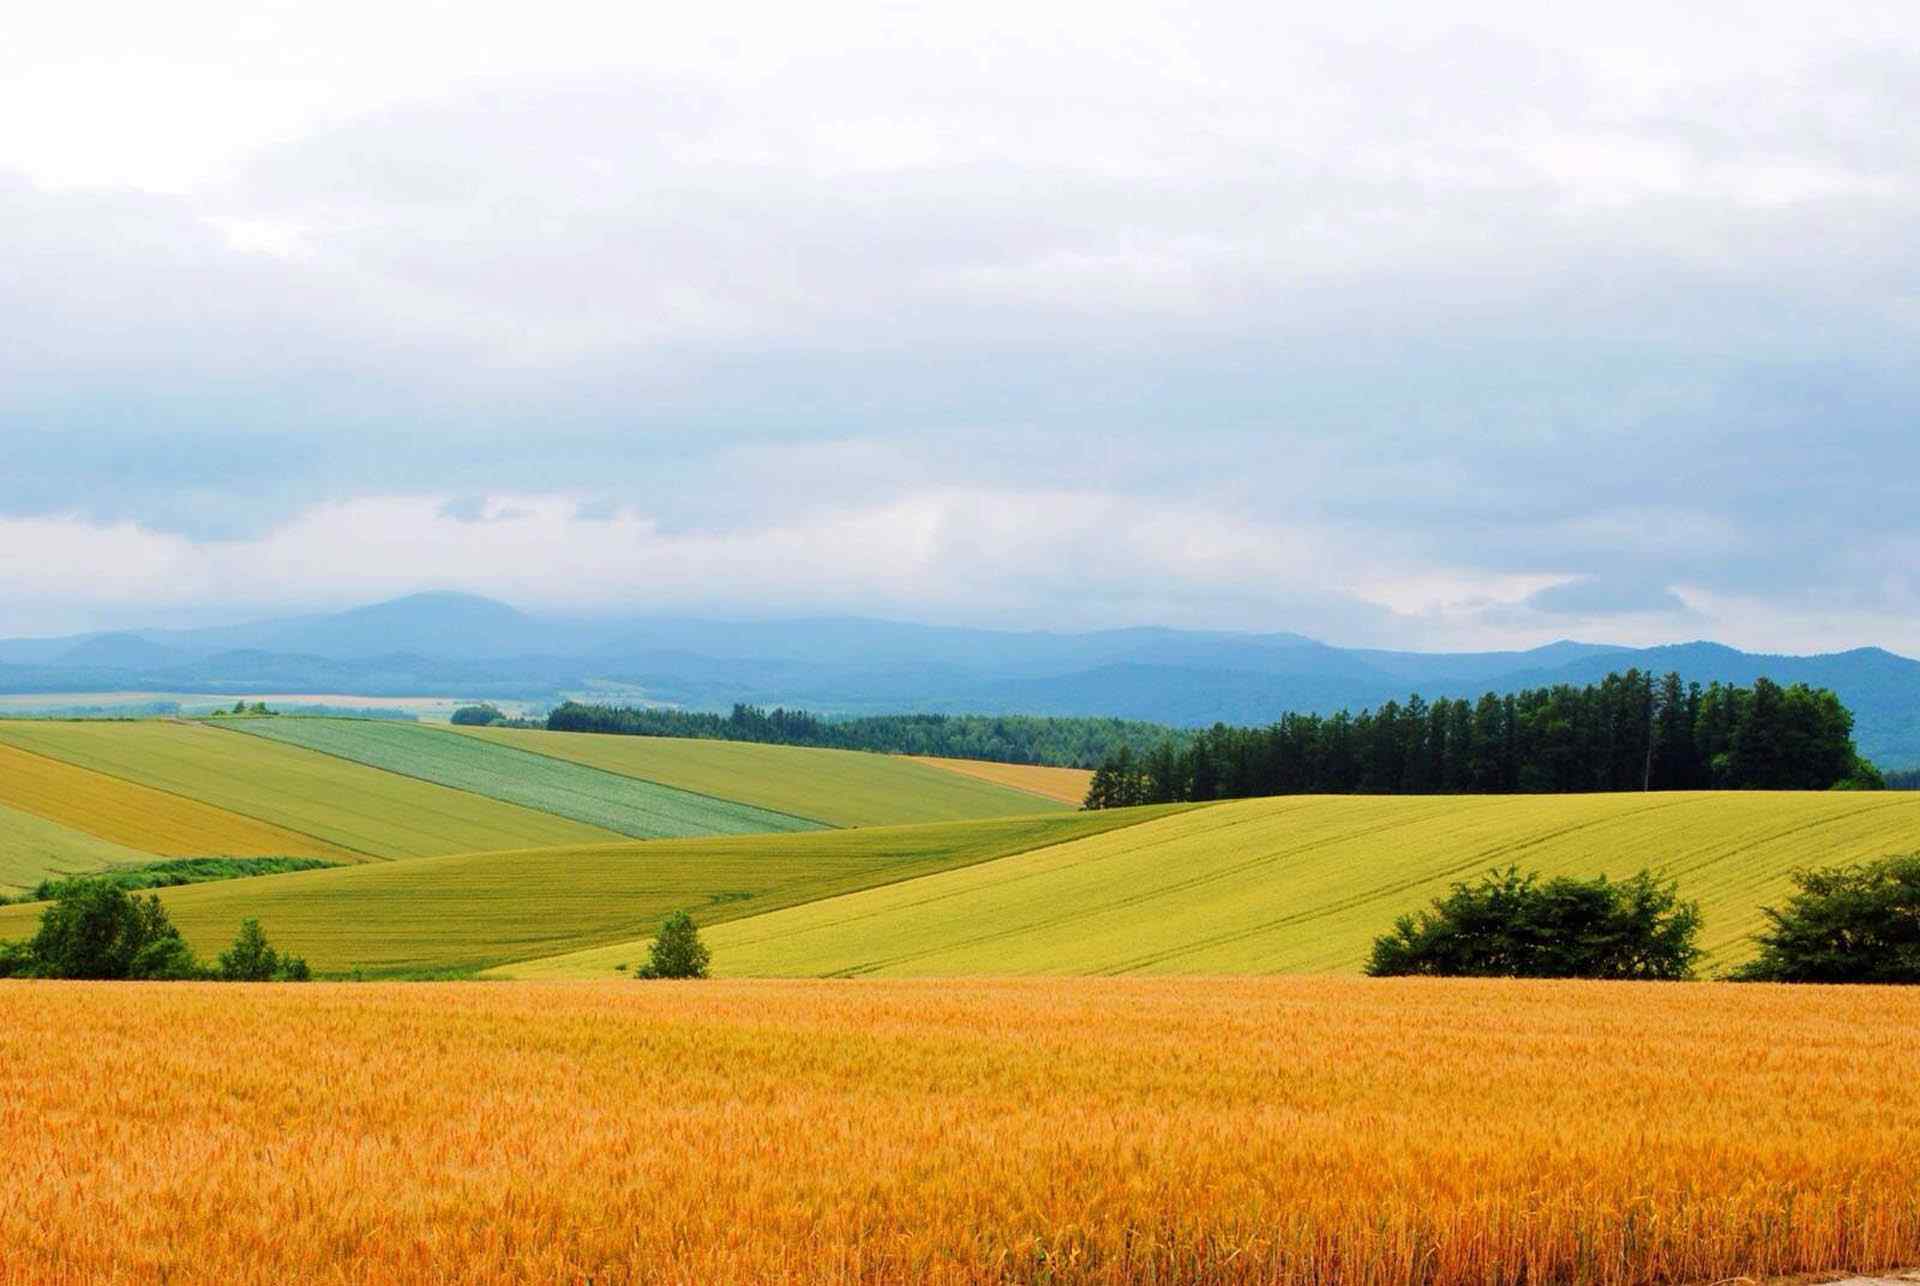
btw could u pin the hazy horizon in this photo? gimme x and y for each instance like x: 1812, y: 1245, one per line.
x: 1394, y: 328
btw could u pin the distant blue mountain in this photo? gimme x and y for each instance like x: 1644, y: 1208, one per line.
x: 461, y: 645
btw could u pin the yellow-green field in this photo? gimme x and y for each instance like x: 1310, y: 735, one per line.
x: 463, y: 913
x: 1393, y: 1132
x: 1301, y: 884
x: 154, y: 821
x: 839, y: 787
x: 33, y: 848
x: 345, y: 805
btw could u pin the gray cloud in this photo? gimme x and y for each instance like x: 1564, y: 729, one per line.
x: 1474, y: 301
x: 1607, y: 596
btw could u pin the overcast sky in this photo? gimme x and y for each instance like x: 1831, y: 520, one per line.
x: 1424, y: 325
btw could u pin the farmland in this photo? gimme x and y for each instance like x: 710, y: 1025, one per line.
x: 348, y: 806
x: 33, y: 848
x: 1304, y: 884
x: 612, y: 802
x: 1064, y: 785
x: 839, y: 787
x: 1094, y: 1130
x: 466, y: 912
x: 141, y: 817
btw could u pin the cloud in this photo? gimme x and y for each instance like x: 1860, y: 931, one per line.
x: 1599, y: 596
x: 1380, y: 325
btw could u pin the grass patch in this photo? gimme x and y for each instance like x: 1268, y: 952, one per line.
x: 176, y: 871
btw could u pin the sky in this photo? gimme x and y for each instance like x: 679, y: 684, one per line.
x: 1463, y: 326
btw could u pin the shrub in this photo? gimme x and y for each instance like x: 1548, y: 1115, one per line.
x: 251, y: 959
x: 97, y: 930
x: 478, y: 716
x: 1858, y: 923
x: 677, y: 951
x: 1514, y: 926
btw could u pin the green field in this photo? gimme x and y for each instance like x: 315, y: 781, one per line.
x: 33, y: 848
x: 611, y: 801
x: 374, y: 813
x: 1300, y: 884
x: 839, y: 787
x: 463, y: 913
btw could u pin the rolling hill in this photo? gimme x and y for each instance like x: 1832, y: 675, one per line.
x: 343, y: 805
x: 1299, y: 884
x: 622, y: 804
x: 839, y: 787
x: 466, y: 912
x: 33, y: 848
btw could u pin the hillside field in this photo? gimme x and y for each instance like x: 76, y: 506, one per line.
x: 1300, y: 884
x: 466, y: 912
x: 610, y: 801
x: 839, y: 787
x: 141, y: 817
x: 33, y: 848
x: 1063, y: 785
x: 344, y: 805
x: 1393, y: 1132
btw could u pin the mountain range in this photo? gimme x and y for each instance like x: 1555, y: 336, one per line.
x: 464, y: 646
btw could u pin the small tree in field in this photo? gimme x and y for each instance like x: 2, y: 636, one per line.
x: 251, y: 959
x: 1513, y: 926
x: 1857, y: 923
x: 677, y: 951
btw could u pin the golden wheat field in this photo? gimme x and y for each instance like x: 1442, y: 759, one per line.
x: 1102, y: 1130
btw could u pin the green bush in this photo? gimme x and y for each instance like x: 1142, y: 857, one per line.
x: 97, y: 930
x: 251, y: 959
x: 478, y: 716
x: 1858, y: 923
x: 1514, y: 926
x: 677, y: 951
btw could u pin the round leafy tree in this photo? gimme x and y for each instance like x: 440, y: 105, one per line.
x: 1858, y: 923
x: 1511, y: 925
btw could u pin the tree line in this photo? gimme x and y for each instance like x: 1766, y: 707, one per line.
x: 1008, y: 739
x: 1628, y: 732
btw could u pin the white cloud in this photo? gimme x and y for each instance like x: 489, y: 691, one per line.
x: 1369, y: 321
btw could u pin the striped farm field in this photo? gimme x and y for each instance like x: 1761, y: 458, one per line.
x: 1304, y: 884
x: 839, y: 787
x: 1063, y: 785
x: 621, y: 804
x: 1270, y: 1130
x: 466, y: 912
x: 33, y: 849
x: 141, y: 817
x: 346, y: 805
